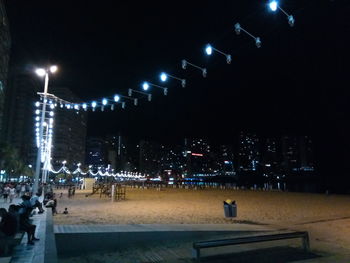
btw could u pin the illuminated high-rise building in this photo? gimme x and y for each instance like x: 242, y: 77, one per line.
x: 249, y: 153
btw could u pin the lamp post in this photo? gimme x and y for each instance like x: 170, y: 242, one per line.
x: 274, y: 5
x: 146, y: 85
x: 164, y: 76
x: 42, y: 72
x: 209, y: 50
x: 239, y: 28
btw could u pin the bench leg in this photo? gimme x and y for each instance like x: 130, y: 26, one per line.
x: 196, y: 254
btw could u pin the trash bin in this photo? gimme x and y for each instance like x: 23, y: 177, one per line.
x: 230, y: 208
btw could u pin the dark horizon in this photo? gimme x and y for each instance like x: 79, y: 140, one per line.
x: 295, y: 84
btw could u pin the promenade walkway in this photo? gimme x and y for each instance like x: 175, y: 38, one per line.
x: 44, y: 251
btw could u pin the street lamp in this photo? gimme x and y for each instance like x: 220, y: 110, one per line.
x: 164, y: 77
x: 238, y: 30
x: 149, y: 96
x: 273, y: 5
x: 42, y: 73
x: 146, y: 85
x: 209, y: 51
x: 184, y: 64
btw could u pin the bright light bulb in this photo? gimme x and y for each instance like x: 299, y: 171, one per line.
x: 145, y: 86
x: 51, y: 113
x: 37, y: 104
x: 163, y: 76
x: 94, y: 104
x: 53, y: 69
x: 40, y: 72
x: 84, y: 106
x: 37, y: 112
x: 209, y: 50
x: 37, y: 118
x: 273, y: 5
x: 116, y: 98
x: 104, y: 101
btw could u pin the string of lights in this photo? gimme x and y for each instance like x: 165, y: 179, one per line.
x: 99, y: 172
x: 120, y: 99
x: 44, y: 138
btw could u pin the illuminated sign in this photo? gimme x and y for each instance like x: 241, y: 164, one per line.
x: 197, y: 154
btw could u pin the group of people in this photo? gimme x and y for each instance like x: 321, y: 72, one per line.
x: 17, y: 218
x: 11, y: 190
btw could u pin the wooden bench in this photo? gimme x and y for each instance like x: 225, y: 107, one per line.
x: 250, y: 239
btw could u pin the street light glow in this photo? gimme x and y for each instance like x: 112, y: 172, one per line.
x: 116, y: 98
x: 104, y: 101
x: 273, y: 5
x: 93, y: 104
x: 145, y: 86
x: 53, y: 69
x: 163, y: 77
x: 40, y: 72
x: 208, y: 50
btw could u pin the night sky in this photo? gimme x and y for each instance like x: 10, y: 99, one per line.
x: 296, y: 83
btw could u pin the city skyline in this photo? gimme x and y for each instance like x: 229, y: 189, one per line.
x: 291, y: 85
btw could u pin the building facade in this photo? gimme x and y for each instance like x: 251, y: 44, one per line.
x: 19, y: 114
x: 5, y: 46
x: 69, y: 132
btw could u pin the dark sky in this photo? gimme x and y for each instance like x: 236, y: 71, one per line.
x: 296, y: 83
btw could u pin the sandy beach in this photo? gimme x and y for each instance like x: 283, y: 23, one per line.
x: 326, y: 217
x: 183, y: 206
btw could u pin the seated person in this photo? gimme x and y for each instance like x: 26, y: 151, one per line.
x: 25, y: 224
x: 53, y: 204
x: 34, y: 200
x: 8, y: 224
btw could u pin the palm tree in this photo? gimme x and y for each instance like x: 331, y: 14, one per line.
x: 11, y: 162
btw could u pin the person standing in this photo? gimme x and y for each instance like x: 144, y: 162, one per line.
x: 12, y: 193
x: 6, y: 193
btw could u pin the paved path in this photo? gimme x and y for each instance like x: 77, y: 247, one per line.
x: 65, y: 229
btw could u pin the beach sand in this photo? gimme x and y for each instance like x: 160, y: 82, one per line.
x: 326, y: 217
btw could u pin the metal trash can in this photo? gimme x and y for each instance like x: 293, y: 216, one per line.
x: 230, y: 209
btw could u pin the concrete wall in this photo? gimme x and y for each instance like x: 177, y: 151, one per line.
x: 76, y: 244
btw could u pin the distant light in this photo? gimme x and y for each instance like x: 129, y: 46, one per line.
x: 145, y: 86
x: 84, y: 106
x: 273, y: 5
x: 37, y: 104
x: 208, y: 50
x: 104, y: 101
x: 116, y: 98
x: 163, y: 76
x: 94, y: 104
x: 52, y: 106
x: 51, y: 113
x: 76, y: 107
x: 197, y: 154
x: 53, y: 69
x: 68, y: 106
x: 37, y: 112
x: 40, y: 72
x: 37, y: 118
